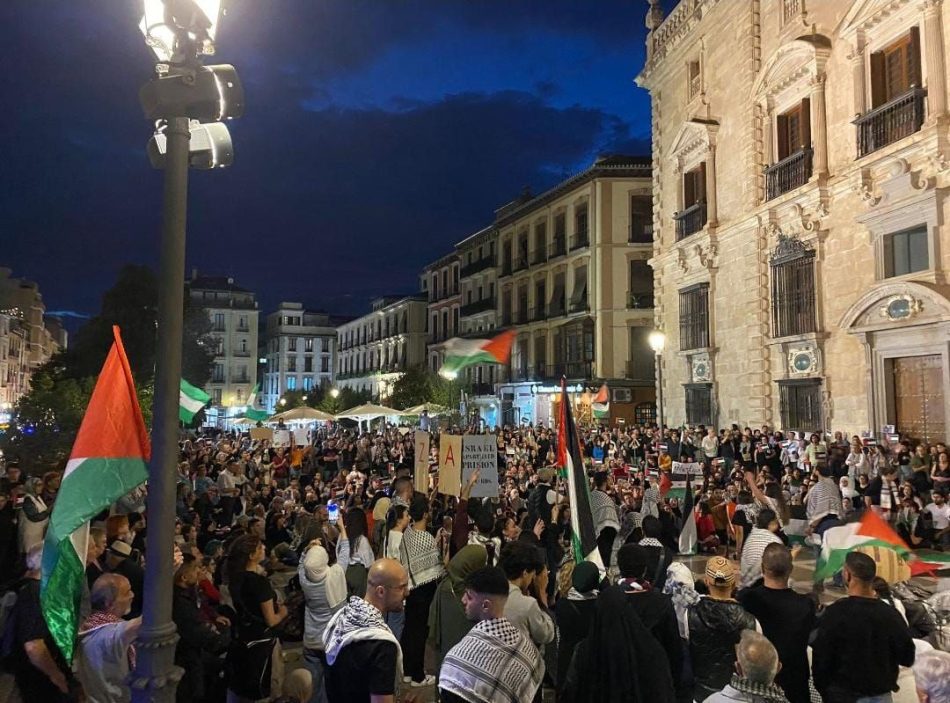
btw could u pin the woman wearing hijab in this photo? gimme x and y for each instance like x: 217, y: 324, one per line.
x: 574, y: 614
x: 619, y: 661
x: 447, y: 621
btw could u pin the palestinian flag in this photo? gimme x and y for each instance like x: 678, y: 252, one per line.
x: 600, y: 404
x: 689, y: 537
x: 460, y: 353
x: 251, y: 413
x: 190, y: 400
x: 569, y: 460
x: 108, y: 460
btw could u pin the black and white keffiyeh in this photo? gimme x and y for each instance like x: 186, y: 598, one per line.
x: 494, y: 663
x: 421, y: 557
x: 358, y: 621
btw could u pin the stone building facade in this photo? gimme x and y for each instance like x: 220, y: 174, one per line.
x: 439, y: 281
x: 377, y: 348
x: 300, y: 349
x: 234, y: 321
x: 800, y: 178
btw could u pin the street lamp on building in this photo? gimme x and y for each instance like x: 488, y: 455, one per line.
x: 657, y: 342
x: 183, y: 100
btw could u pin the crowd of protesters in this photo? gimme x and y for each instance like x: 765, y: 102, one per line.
x: 328, y: 551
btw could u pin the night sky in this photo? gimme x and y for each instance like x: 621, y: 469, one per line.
x: 377, y: 134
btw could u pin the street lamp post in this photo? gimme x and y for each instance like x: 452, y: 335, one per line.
x: 657, y: 342
x: 181, y: 96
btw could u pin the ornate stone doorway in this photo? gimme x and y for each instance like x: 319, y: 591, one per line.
x: 918, y: 397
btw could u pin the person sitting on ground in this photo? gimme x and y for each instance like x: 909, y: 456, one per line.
x: 757, y: 664
x: 495, y: 662
x: 104, y: 652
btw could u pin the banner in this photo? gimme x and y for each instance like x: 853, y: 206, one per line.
x: 420, y: 473
x: 480, y: 451
x: 678, y: 475
x: 450, y: 464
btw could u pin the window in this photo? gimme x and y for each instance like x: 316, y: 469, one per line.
x: 793, y: 129
x: 291, y: 383
x: 800, y: 405
x: 240, y: 375
x: 558, y: 299
x: 506, y: 307
x: 292, y: 344
x: 308, y: 344
x: 581, y: 227
x: 641, y: 219
x: 292, y: 363
x: 325, y: 364
x: 695, y: 78
x: 906, y: 252
x: 692, y: 218
x: 455, y: 320
x: 579, y: 292
x: 308, y: 383
x: 699, y: 404
x: 216, y: 396
x: 895, y: 69
x: 217, y: 373
x: 793, y: 294
x: 694, y: 317
x: 242, y: 323
x: 219, y: 321
x: 308, y: 364
x: 324, y: 344
x: 644, y: 413
x: 445, y: 282
x: 560, y: 234
x: 540, y: 299
x: 641, y: 285
x: 540, y: 243
x: 522, y: 303
x: 445, y: 324
x: 243, y: 345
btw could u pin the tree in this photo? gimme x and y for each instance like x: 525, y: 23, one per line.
x: 347, y: 398
x: 413, y: 387
x: 47, y: 418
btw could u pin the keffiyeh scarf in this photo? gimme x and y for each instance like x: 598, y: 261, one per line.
x: 494, y: 663
x: 358, y: 621
x: 99, y: 619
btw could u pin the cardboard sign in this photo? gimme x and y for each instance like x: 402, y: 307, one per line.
x: 262, y: 433
x: 403, y: 431
x: 300, y: 438
x: 693, y: 468
x: 480, y: 452
x: 450, y: 464
x: 420, y: 472
x: 281, y: 438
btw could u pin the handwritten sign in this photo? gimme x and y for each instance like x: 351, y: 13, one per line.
x: 420, y: 472
x: 450, y: 464
x: 481, y: 452
x: 281, y: 438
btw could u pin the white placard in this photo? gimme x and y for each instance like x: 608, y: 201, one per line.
x: 281, y: 438
x: 480, y: 451
x: 692, y: 467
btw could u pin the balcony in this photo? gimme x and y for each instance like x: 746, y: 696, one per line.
x: 579, y: 306
x: 506, y: 319
x: 506, y: 268
x: 580, y: 240
x: 477, y: 266
x: 891, y: 121
x: 640, y: 234
x: 537, y: 313
x: 639, y: 301
x: 557, y: 308
x: 477, y: 389
x: 477, y: 306
x: 690, y: 221
x: 521, y: 317
x: 539, y: 257
x: 788, y: 174
x: 570, y: 369
x: 560, y: 247
x: 240, y: 352
x: 519, y: 373
x: 521, y: 263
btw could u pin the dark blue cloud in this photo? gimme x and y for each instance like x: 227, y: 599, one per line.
x: 377, y: 135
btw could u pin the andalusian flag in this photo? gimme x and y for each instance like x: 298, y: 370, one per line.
x: 251, y: 413
x: 460, y: 353
x: 190, y: 401
x: 583, y: 536
x: 108, y: 460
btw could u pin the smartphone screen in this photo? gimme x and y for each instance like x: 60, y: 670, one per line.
x: 333, y: 510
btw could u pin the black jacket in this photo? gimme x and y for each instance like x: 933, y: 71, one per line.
x: 714, y: 630
x: 198, y: 641
x: 655, y: 610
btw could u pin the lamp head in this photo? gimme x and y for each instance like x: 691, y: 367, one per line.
x: 335, y: 392
x: 179, y: 31
x: 657, y: 341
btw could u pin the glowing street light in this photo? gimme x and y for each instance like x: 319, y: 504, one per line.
x: 179, y: 30
x: 334, y: 392
x: 282, y: 402
x: 657, y: 341
x: 449, y: 375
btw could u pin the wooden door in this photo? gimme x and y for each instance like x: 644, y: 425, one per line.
x: 918, y: 397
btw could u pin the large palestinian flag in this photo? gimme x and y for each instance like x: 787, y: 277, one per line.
x: 583, y: 536
x: 108, y: 460
x: 870, y: 532
x: 460, y: 353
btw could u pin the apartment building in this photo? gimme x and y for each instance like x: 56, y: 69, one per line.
x: 234, y: 320
x: 377, y: 348
x: 800, y: 185
x: 439, y: 282
x: 300, y: 351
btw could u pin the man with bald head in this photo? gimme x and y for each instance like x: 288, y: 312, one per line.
x: 363, y: 656
x: 105, y: 654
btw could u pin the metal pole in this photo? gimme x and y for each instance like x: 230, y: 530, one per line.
x: 156, y: 676
x: 659, y: 391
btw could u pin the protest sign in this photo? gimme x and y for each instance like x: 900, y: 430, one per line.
x: 420, y: 472
x: 450, y: 464
x: 480, y: 451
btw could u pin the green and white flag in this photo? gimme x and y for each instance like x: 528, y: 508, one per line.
x: 190, y: 401
x: 108, y: 460
x: 251, y: 413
